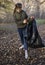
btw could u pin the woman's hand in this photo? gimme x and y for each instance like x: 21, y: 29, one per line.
x: 25, y: 21
x: 32, y: 17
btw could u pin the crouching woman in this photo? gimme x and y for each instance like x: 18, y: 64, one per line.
x: 34, y: 39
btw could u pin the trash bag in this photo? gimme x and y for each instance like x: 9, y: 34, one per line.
x: 33, y: 38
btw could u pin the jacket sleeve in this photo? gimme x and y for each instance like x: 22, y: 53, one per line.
x: 14, y: 17
x: 34, y: 36
x: 24, y: 14
x: 34, y: 26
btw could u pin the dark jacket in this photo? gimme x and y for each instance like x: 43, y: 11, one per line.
x: 34, y: 40
x: 19, y: 18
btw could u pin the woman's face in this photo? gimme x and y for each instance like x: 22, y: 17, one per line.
x: 18, y: 10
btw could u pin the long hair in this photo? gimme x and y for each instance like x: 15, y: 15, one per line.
x: 14, y: 10
x: 18, y: 5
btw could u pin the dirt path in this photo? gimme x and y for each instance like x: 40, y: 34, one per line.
x: 11, y: 55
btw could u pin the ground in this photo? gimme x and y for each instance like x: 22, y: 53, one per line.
x: 10, y: 53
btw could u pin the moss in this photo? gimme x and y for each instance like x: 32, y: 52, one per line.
x: 40, y: 21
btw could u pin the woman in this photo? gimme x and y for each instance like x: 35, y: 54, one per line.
x: 20, y: 17
x: 34, y: 39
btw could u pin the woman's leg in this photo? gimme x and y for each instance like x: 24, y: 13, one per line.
x: 21, y: 37
x: 25, y: 42
x: 23, y: 33
x: 25, y: 38
x: 26, y: 48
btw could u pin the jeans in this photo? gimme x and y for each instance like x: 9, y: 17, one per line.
x: 23, y: 35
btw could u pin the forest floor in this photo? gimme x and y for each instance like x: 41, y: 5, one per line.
x: 10, y: 53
